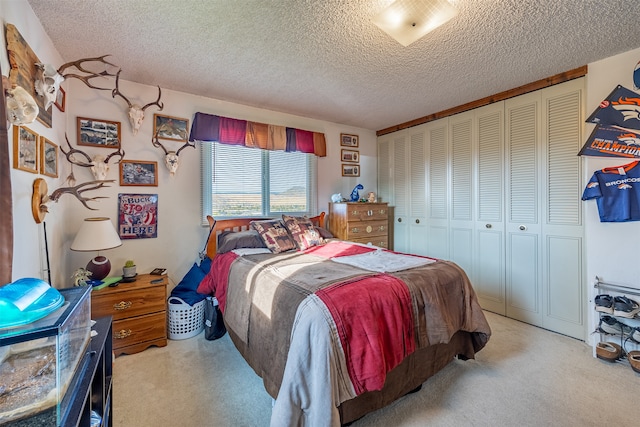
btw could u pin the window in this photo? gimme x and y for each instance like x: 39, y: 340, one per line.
x: 241, y: 181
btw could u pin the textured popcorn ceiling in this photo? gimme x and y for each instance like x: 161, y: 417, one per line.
x: 325, y: 59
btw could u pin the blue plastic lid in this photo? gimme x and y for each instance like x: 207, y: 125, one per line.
x: 27, y: 300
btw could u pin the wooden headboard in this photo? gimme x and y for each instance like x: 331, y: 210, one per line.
x: 238, y: 224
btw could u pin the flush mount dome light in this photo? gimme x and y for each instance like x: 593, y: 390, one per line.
x: 408, y: 20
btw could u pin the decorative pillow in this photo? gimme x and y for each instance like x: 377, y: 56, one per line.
x: 230, y: 240
x: 324, y: 233
x: 303, y: 231
x: 274, y: 234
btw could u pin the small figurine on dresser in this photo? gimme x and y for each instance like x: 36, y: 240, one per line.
x: 371, y: 197
x: 355, y: 196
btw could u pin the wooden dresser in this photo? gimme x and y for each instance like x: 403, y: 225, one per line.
x: 366, y: 223
x: 139, y: 311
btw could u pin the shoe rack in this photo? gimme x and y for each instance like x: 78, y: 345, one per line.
x: 605, y: 348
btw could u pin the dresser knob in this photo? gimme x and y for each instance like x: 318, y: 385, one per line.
x: 123, y: 333
x: 369, y: 229
x: 122, y: 305
x: 355, y: 230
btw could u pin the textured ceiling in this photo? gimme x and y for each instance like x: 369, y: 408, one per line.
x: 325, y: 59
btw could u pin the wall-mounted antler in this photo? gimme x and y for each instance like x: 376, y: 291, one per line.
x: 171, y: 159
x: 47, y: 83
x: 99, y: 164
x: 40, y: 198
x: 136, y: 112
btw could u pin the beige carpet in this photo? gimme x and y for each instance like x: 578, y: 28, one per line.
x: 526, y: 376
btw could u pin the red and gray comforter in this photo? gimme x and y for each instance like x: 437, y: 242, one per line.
x: 324, y: 325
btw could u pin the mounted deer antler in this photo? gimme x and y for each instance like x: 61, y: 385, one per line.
x: 136, y: 112
x: 40, y: 198
x: 171, y: 159
x: 99, y: 164
x: 48, y: 81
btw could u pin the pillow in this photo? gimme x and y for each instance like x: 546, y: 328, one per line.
x: 304, y: 233
x: 230, y: 240
x: 205, y: 264
x: 186, y: 289
x: 274, y: 234
x: 324, y: 233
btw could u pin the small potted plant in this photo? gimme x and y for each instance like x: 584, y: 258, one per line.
x: 129, y: 269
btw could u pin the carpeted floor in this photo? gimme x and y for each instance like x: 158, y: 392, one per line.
x: 526, y: 376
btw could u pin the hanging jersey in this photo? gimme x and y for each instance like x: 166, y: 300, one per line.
x: 617, y: 192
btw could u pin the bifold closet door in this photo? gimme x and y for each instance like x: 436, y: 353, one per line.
x: 438, y: 189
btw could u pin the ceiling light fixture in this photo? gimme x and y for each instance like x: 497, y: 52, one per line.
x: 408, y: 20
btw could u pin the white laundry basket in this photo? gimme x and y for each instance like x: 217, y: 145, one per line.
x: 184, y: 321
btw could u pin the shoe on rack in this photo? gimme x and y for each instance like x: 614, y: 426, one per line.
x: 611, y: 325
x: 634, y: 360
x: 625, y: 307
x: 608, y: 351
x: 604, y: 303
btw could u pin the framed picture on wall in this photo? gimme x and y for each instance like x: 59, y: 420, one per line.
x: 48, y: 157
x: 350, y: 170
x: 171, y: 128
x: 98, y: 133
x: 61, y: 99
x: 137, y: 216
x: 350, y: 156
x: 138, y: 172
x: 348, y: 140
x: 25, y: 149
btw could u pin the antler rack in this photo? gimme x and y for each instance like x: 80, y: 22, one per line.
x: 40, y: 198
x: 91, y: 74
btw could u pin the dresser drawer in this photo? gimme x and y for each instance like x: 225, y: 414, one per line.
x: 366, y: 212
x: 138, y: 329
x: 131, y: 303
x: 364, y: 229
x: 381, y: 241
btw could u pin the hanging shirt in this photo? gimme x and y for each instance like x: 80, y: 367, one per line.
x: 617, y: 192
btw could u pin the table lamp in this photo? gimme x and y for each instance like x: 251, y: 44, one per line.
x: 97, y: 234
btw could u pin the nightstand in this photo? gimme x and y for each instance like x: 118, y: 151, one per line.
x: 139, y: 312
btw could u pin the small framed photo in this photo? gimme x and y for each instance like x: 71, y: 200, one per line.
x: 350, y: 156
x: 98, y: 133
x: 350, y: 170
x: 138, y: 172
x: 171, y: 128
x: 61, y: 99
x: 347, y: 140
x: 48, y: 157
x: 25, y: 149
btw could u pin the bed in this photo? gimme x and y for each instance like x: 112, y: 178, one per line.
x: 337, y: 329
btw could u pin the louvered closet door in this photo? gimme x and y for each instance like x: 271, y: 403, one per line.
x: 523, y: 214
x: 400, y: 189
x: 562, y: 233
x: 437, y: 189
x: 417, y: 167
x: 461, y: 223
x: 489, y: 271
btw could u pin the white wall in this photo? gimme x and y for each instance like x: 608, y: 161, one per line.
x: 180, y: 233
x: 610, y: 247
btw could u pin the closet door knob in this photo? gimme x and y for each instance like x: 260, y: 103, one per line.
x: 522, y: 227
x: 417, y: 221
x: 488, y: 225
x: 399, y: 219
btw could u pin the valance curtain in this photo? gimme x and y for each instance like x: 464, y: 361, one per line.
x: 225, y: 130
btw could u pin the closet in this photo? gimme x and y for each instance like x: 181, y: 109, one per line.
x: 497, y: 190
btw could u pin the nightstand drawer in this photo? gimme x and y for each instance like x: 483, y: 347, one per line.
x: 142, y: 328
x: 131, y: 303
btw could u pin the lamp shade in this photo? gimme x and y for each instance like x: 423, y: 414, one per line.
x: 96, y: 234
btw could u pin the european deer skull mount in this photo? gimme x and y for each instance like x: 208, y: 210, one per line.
x: 99, y: 164
x: 48, y: 79
x: 135, y: 111
x: 171, y: 159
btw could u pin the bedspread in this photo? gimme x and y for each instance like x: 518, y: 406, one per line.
x: 321, y: 332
